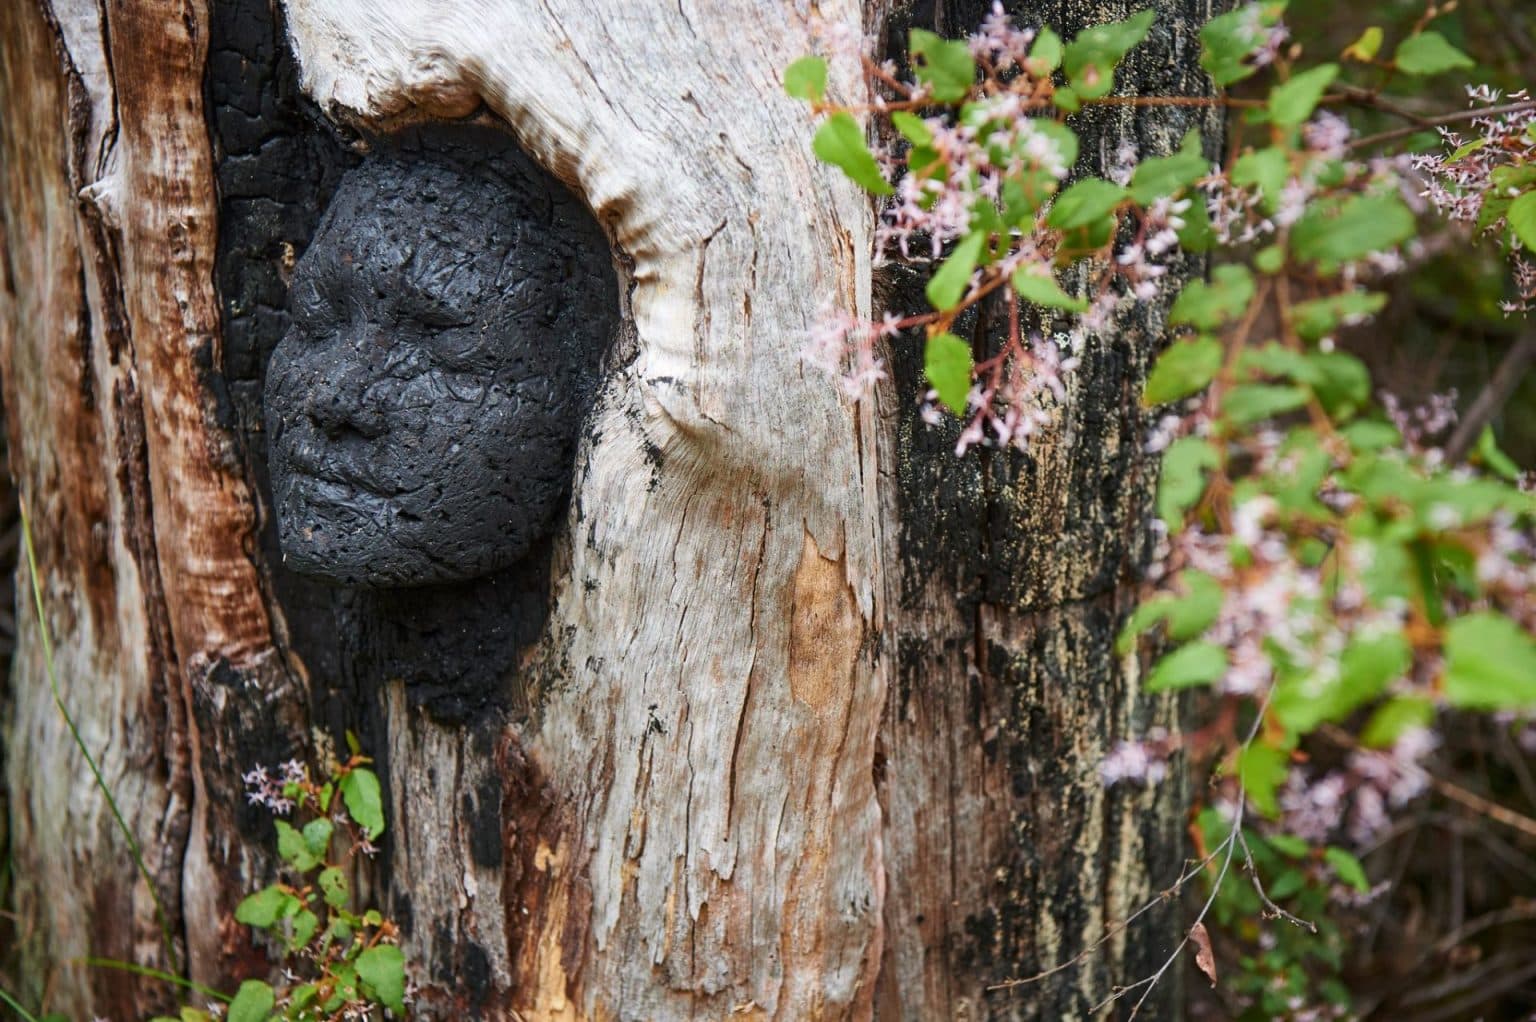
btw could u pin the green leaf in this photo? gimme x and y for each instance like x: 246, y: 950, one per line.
x: 305, y: 923
x: 1067, y: 99
x: 293, y: 848
x: 1187, y: 615
x: 947, y: 364
x: 1289, y: 844
x: 806, y: 78
x: 1522, y: 219
x: 1253, y: 402
x: 840, y: 142
x: 1349, y: 869
x: 1045, y: 55
x: 263, y: 908
x: 1187, y: 367
x: 1332, y: 232
x: 1266, y: 169
x: 1262, y: 770
x: 1089, y: 60
x: 1366, y: 667
x: 317, y: 836
x: 333, y: 884
x: 1292, y: 102
x: 1323, y: 316
x: 1366, y: 47
x: 1166, y: 175
x: 1207, y: 305
x: 1086, y: 201
x: 383, y: 969
x: 1490, y: 663
x: 1198, y: 663
x: 943, y: 65
x: 253, y: 1002
x: 1393, y: 718
x: 1181, y: 483
x: 1429, y: 54
x: 912, y: 127
x: 1042, y: 289
x: 1494, y: 459
x: 949, y: 282
x: 360, y: 791
x: 1198, y: 233
x: 1227, y: 41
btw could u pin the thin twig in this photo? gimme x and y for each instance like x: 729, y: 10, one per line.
x: 1497, y: 391
x: 1435, y: 122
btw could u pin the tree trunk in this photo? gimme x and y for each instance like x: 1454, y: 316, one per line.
x: 812, y: 730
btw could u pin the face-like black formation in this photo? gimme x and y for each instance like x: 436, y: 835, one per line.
x: 449, y: 320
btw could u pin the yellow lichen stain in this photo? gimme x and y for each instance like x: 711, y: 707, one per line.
x: 825, y: 630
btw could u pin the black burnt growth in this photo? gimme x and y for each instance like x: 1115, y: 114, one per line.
x: 449, y: 320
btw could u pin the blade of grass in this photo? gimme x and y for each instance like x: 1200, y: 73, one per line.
x: 101, y: 783
x: 143, y: 970
x: 10, y: 1002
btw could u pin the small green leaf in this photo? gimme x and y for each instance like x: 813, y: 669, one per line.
x: 1266, y: 169
x: 1206, y: 305
x: 333, y: 884
x: 1198, y: 663
x: 293, y: 848
x: 305, y: 923
x: 1289, y: 844
x: 1494, y: 459
x: 383, y: 968
x: 1428, y: 53
x: 806, y: 78
x: 1042, y: 289
x: 1045, y: 55
x: 1262, y: 770
x: 1181, y: 483
x: 912, y: 127
x: 1366, y: 47
x: 1522, y: 219
x: 1166, y: 175
x: 1090, y: 59
x: 949, y: 282
x: 1490, y: 663
x: 1067, y: 99
x: 1394, y: 717
x: 364, y: 801
x: 840, y: 142
x: 1084, y: 202
x: 947, y: 364
x: 1339, y: 232
x: 1349, y: 869
x: 253, y: 1002
x: 1253, y: 402
x: 1292, y: 102
x: 1228, y: 40
x: 263, y: 908
x: 943, y: 65
x: 317, y: 836
x: 1187, y: 367
x: 1323, y: 316
x: 1186, y: 615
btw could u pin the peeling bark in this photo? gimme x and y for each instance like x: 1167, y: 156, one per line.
x: 813, y: 725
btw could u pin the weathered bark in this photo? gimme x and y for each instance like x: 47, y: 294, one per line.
x: 813, y: 726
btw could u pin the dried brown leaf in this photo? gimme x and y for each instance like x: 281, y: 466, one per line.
x: 1205, y: 959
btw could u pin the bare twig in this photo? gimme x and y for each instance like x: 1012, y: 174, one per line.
x: 1434, y: 122
x: 1497, y: 391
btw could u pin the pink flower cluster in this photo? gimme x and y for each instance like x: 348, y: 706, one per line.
x: 265, y: 788
x: 1357, y: 798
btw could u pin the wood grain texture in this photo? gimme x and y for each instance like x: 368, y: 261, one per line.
x: 710, y: 699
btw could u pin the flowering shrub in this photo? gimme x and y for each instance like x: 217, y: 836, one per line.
x: 1327, y: 573
x: 341, y: 964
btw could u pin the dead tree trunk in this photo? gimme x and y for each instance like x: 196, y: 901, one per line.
x: 813, y: 725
